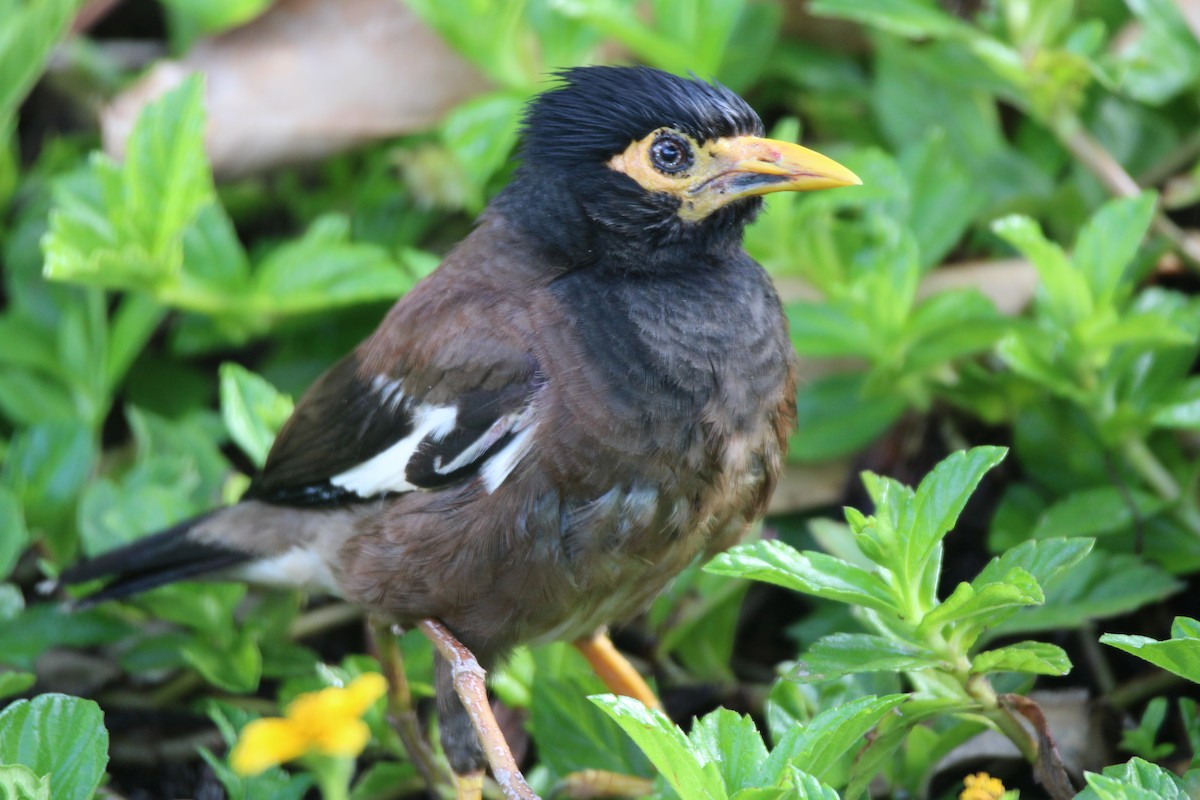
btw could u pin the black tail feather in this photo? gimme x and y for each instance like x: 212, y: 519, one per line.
x: 165, y: 557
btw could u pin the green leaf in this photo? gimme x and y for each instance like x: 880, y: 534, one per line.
x: 323, y: 269
x: 46, y: 467
x: 831, y: 737
x: 944, y: 200
x: 809, y: 572
x: 1142, y: 739
x: 60, y: 736
x: 12, y: 603
x: 1108, y: 242
x: 964, y: 109
x: 941, y: 497
x: 253, y: 410
x: 233, y: 666
x: 667, y: 748
x: 951, y: 325
x: 18, y: 782
x: 837, y: 417
x: 973, y: 607
x: 826, y: 330
x: 1180, y: 655
x: 384, y: 779
x: 13, y: 535
x: 1136, y: 780
x: 1043, y: 559
x: 1182, y: 408
x: 205, y: 609
x: 571, y: 733
x: 1098, y: 511
x: 733, y: 743
x: 27, y: 635
x: 1101, y: 585
x: 481, y: 134
x: 806, y: 787
x: 1037, y: 658
x: 1059, y: 448
x: 123, y: 226
x: 214, y: 16
x: 1163, y: 60
x: 908, y: 18
x: 28, y: 35
x: 1035, y: 354
x: 848, y: 653
x: 212, y: 253
x: 1064, y: 290
x: 15, y: 682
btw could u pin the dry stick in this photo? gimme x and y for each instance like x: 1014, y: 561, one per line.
x: 470, y: 684
x: 401, y: 712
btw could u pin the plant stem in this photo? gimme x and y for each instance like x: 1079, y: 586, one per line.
x: 322, y: 619
x: 401, y: 711
x: 1075, y: 137
x: 982, y: 691
x: 333, y: 777
x: 1159, y: 478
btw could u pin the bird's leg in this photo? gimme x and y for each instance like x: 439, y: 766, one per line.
x: 463, y: 704
x: 401, y: 711
x: 615, y: 670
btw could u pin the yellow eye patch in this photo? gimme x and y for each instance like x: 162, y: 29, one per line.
x: 722, y: 170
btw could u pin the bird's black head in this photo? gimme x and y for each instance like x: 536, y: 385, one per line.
x: 643, y: 167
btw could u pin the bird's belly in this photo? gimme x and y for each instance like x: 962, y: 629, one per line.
x: 615, y: 554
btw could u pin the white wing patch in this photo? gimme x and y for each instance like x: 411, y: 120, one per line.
x: 499, y: 466
x: 385, y: 472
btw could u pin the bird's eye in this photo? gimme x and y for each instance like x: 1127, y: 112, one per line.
x: 670, y: 153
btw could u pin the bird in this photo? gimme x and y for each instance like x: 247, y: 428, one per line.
x: 593, y: 390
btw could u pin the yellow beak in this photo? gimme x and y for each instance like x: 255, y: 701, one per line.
x: 744, y: 166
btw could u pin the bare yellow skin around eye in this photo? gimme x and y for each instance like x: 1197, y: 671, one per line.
x: 635, y: 162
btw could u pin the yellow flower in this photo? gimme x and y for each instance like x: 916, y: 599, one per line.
x: 981, y: 786
x: 328, y: 722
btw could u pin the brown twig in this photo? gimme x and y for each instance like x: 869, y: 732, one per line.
x: 401, y: 711
x: 1048, y: 768
x: 470, y: 684
x: 1119, y: 182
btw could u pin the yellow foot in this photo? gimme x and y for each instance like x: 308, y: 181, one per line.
x: 469, y: 786
x: 615, y: 670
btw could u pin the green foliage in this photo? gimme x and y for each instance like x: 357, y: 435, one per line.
x: 1143, y: 740
x: 29, y: 32
x: 938, y: 642
x: 724, y: 756
x: 1179, y: 654
x: 56, y: 737
x: 1137, y: 780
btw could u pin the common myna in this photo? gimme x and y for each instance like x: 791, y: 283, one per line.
x: 592, y: 390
